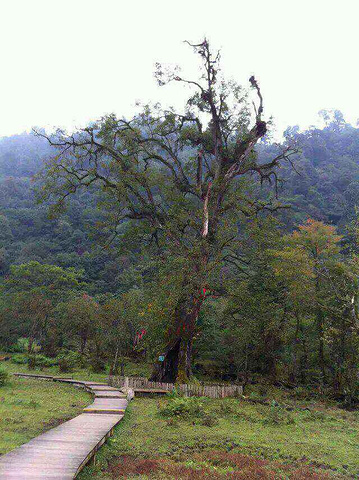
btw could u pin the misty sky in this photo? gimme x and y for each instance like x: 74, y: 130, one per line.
x: 67, y: 62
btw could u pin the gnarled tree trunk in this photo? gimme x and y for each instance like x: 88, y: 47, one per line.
x: 177, y: 363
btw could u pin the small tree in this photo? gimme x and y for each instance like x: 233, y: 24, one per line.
x: 80, y: 317
x: 184, y: 181
x: 30, y: 294
x: 119, y: 330
x: 321, y: 286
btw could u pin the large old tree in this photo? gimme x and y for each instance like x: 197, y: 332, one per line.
x: 184, y: 178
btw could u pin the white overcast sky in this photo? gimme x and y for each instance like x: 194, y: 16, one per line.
x: 65, y: 62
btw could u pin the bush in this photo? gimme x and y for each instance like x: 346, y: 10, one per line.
x: 174, y: 393
x: 4, y: 377
x: 351, y: 389
x: 40, y: 361
x: 226, y: 408
x: 183, y: 407
x: 22, y: 346
x: 19, y: 359
x: 257, y: 398
x: 31, y: 362
x: 262, y: 391
x: 191, y: 408
x: 301, y: 393
x: 209, y: 419
x: 44, y: 362
x: 68, y: 360
x: 208, y: 368
x: 172, y: 422
x: 97, y: 364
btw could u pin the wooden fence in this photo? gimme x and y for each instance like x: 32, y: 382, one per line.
x: 212, y: 391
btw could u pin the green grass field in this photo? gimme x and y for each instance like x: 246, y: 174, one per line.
x: 246, y: 441
x: 292, y: 438
x: 30, y: 407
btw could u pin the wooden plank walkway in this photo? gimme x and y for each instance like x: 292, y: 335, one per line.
x: 62, y: 452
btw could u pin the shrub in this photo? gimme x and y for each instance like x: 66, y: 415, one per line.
x: 242, y: 416
x: 262, y: 391
x: 300, y: 393
x: 174, y: 393
x: 97, y: 364
x: 257, y: 398
x: 172, y: 422
x: 22, y: 346
x: 4, y: 377
x: 192, y: 408
x: 34, y: 361
x: 44, y: 362
x: 209, y: 419
x: 68, y: 360
x: 351, y: 390
x: 225, y: 408
x: 31, y: 362
x: 19, y: 359
x: 182, y: 407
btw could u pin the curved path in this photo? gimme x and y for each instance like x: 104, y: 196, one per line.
x: 62, y: 452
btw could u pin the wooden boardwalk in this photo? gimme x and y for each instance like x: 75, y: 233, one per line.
x: 62, y: 452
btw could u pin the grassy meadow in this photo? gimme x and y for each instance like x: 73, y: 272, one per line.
x: 233, y: 439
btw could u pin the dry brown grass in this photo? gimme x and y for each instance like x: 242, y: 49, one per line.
x: 214, y: 465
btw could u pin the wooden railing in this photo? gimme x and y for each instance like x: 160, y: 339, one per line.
x: 189, y: 390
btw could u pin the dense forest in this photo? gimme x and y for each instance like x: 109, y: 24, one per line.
x: 272, y: 292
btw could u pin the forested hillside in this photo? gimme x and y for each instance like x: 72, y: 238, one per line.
x: 327, y: 185
x: 322, y: 184
x: 129, y: 269
x: 29, y: 234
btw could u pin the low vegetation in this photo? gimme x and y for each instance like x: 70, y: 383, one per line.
x: 178, y: 438
x: 4, y: 376
x: 272, y: 433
